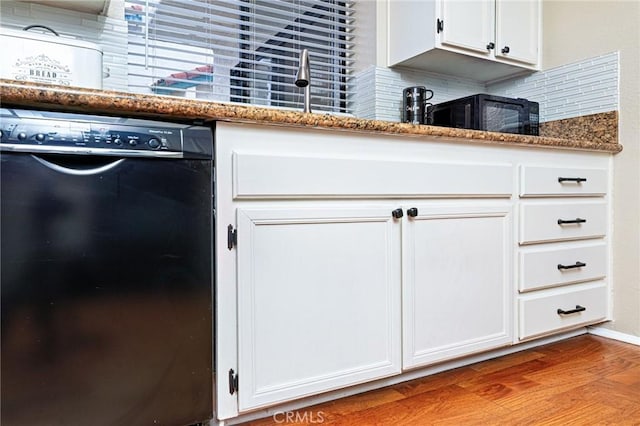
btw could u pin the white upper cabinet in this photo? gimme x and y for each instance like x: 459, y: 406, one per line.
x: 482, y: 39
x: 517, y: 28
x: 469, y: 24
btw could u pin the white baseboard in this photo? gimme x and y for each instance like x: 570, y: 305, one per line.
x: 616, y: 335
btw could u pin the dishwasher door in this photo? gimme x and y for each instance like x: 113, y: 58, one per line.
x: 106, y: 280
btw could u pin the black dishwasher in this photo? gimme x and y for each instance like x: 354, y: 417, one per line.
x: 106, y: 246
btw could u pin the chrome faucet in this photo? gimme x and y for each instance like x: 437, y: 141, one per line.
x: 303, y: 78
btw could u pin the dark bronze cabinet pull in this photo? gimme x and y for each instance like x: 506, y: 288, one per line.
x: 576, y: 265
x: 576, y: 220
x: 568, y: 179
x: 572, y: 311
x: 397, y: 213
x: 412, y: 212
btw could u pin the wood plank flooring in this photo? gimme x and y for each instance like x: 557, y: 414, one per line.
x: 585, y: 380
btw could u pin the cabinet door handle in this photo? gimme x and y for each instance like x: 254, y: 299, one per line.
x: 572, y: 311
x: 412, y: 212
x: 576, y: 220
x: 397, y: 213
x: 568, y: 179
x: 505, y: 50
x: 575, y: 265
x: 491, y: 46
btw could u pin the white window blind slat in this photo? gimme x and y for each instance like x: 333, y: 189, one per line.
x: 243, y: 51
x: 268, y: 17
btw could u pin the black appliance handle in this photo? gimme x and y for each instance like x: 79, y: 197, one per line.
x: 78, y: 166
x: 576, y: 220
x: 572, y: 311
x: 28, y: 27
x: 575, y: 265
x: 570, y: 179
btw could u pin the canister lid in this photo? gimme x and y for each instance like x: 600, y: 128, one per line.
x: 31, y: 35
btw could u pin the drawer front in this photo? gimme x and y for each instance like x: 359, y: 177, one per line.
x: 257, y: 175
x: 562, y: 221
x: 556, y: 267
x: 559, y: 181
x: 583, y: 304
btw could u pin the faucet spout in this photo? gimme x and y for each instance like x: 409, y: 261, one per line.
x: 303, y: 78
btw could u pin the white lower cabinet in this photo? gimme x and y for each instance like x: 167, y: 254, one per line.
x: 318, y: 301
x: 562, y: 280
x: 344, y: 257
x: 456, y: 281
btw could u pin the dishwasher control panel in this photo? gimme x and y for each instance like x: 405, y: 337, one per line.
x: 99, y: 135
x: 62, y: 132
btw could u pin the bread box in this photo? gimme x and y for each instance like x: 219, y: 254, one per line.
x: 44, y: 58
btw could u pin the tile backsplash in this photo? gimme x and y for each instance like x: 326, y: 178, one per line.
x: 581, y: 88
x: 378, y: 90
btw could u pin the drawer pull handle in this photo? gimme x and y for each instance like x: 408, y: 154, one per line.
x: 576, y: 220
x: 567, y: 179
x: 576, y: 265
x: 572, y: 311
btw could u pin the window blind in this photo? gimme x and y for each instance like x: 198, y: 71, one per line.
x: 243, y: 51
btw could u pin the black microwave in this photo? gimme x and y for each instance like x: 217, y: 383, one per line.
x: 487, y: 112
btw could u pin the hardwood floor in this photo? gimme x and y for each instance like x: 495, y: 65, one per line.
x: 586, y: 380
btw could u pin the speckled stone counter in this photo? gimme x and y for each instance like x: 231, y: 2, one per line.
x: 88, y: 101
x: 602, y: 127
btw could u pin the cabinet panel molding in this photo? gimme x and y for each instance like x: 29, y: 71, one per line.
x: 318, y: 301
x: 258, y: 175
x: 457, y: 292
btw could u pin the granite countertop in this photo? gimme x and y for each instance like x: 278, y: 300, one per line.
x: 90, y: 101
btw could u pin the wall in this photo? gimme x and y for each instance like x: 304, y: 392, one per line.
x: 574, y: 30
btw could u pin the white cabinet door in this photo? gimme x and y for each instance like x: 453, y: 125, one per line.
x: 517, y: 26
x: 468, y: 24
x: 456, y: 283
x: 318, y: 301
